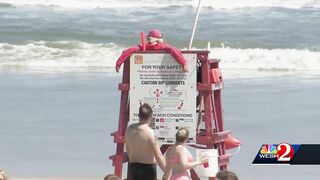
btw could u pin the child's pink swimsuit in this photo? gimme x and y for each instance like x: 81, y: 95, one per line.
x: 181, y: 176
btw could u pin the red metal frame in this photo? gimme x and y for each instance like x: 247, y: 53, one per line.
x: 214, y: 134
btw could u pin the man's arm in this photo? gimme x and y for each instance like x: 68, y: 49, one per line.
x: 157, y: 152
x: 125, y: 54
x: 126, y: 144
x: 176, y: 53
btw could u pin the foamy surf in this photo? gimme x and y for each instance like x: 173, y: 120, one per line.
x: 216, y: 4
x: 81, y: 55
x: 59, y: 54
x: 90, y: 4
x: 236, y: 4
x: 267, y: 59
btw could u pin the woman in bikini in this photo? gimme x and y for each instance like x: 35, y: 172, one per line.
x: 179, y: 159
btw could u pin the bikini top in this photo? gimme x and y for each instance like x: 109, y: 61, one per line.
x: 177, y: 159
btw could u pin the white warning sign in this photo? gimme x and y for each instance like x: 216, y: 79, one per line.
x: 157, y: 79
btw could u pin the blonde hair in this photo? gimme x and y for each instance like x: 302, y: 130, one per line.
x: 182, y: 135
x: 3, y: 175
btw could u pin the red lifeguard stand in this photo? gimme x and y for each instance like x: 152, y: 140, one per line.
x: 213, y: 136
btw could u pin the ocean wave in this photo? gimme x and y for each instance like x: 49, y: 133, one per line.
x: 267, y: 59
x: 6, y: 5
x: 76, y: 54
x: 236, y: 4
x: 216, y: 4
x: 90, y: 4
x: 58, y: 54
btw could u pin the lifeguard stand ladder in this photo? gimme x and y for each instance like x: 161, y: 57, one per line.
x: 213, y: 136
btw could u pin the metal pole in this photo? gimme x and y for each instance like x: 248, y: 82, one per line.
x: 194, y: 25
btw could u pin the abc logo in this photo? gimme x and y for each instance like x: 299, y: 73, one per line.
x: 285, y: 152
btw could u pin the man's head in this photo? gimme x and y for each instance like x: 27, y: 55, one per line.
x: 154, y: 36
x: 3, y: 175
x: 182, y: 135
x: 145, y: 113
x: 111, y: 177
x: 226, y: 175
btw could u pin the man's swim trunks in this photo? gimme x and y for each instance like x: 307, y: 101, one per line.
x: 140, y: 171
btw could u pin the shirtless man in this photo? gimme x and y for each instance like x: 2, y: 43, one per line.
x: 142, y: 148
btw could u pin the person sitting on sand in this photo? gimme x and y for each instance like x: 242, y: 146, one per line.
x: 179, y: 159
x: 155, y: 42
x: 111, y: 177
x: 3, y: 175
x: 143, y: 148
x: 226, y: 175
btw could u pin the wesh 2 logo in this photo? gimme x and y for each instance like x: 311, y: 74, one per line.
x: 268, y: 151
x: 273, y: 153
x: 285, y: 152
